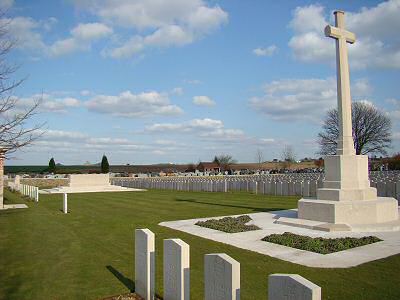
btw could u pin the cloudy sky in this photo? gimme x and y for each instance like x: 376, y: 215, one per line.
x: 148, y: 81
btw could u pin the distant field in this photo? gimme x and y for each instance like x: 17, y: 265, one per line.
x: 148, y: 168
x: 88, y: 254
x: 41, y: 169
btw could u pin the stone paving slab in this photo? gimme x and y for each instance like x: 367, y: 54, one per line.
x: 13, y: 206
x: 251, y: 240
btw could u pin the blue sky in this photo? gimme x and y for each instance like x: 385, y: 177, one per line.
x: 151, y: 81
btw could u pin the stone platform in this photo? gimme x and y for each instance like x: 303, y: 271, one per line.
x: 89, y: 183
x: 377, y: 211
x: 267, y: 221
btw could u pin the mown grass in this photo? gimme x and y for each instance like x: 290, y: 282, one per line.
x: 88, y: 253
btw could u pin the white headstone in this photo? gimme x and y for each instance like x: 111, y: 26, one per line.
x: 65, y: 203
x: 144, y: 263
x: 221, y: 277
x: 176, y: 270
x: 292, y: 287
x: 37, y: 194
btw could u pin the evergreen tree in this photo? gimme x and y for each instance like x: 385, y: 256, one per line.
x: 105, y: 167
x: 52, y: 165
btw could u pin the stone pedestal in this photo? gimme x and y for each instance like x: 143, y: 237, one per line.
x: 380, y: 210
x: 346, y: 197
x: 346, y: 179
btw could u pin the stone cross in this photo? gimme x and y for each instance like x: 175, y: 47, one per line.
x: 345, y: 144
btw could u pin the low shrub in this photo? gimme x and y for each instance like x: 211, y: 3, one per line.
x: 229, y: 224
x: 319, y: 244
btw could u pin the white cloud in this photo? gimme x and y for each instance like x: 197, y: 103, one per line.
x: 222, y: 134
x: 177, y: 91
x: 130, y: 105
x: 6, y: 4
x: 158, y: 152
x: 192, y: 81
x: 49, y: 23
x: 25, y: 31
x: 395, y: 112
x: 28, y: 34
x: 377, y: 44
x: 155, y: 23
x: 205, y: 129
x: 396, y: 136
x: 48, y: 103
x: 67, y: 136
x: 82, y: 37
x: 302, y: 99
x: 85, y: 93
x: 269, y: 51
x: 190, y: 126
x: 203, y: 101
x: 91, y: 31
x: 267, y: 141
x: 65, y: 142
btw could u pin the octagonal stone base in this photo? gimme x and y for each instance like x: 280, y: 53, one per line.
x: 381, y: 210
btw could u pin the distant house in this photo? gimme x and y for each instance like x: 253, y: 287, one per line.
x: 208, y: 167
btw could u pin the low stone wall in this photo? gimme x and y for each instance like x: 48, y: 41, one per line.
x: 45, y: 182
x: 80, y: 180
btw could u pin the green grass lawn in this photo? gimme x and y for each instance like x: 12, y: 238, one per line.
x: 88, y: 254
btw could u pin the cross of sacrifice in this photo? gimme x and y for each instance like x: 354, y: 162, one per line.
x: 345, y: 145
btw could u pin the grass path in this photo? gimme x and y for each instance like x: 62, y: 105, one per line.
x: 88, y: 254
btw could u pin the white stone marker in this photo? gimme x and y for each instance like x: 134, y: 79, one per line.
x: 144, y: 263
x: 65, y: 203
x: 292, y: 287
x: 37, y: 194
x: 221, y: 277
x: 176, y: 270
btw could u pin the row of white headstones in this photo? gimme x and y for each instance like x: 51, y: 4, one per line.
x: 26, y: 190
x: 221, y: 274
x: 306, y: 188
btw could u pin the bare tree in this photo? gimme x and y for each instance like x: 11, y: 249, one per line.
x: 14, y: 132
x: 371, y: 130
x: 225, y: 161
x: 288, y: 156
x: 259, y: 158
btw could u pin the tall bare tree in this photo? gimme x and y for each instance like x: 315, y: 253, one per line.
x: 371, y: 130
x: 225, y: 161
x: 259, y: 158
x: 288, y: 156
x: 14, y: 131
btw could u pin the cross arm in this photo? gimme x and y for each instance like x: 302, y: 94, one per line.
x: 337, y: 33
